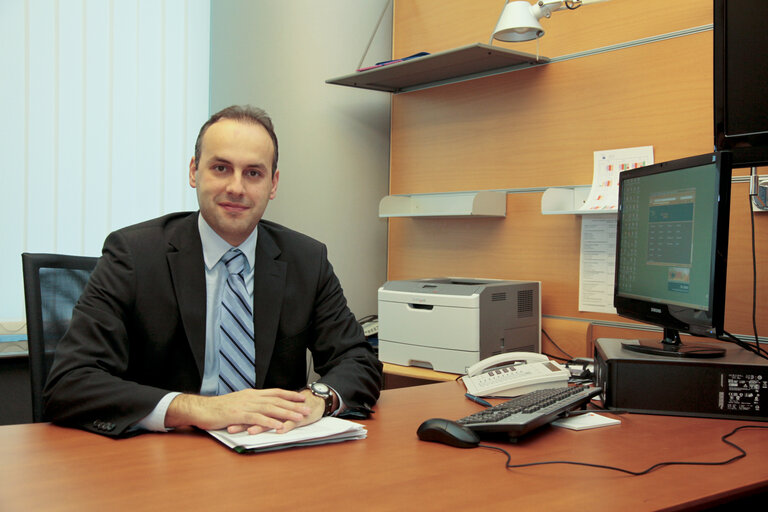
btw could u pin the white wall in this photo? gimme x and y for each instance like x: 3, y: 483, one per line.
x: 334, y: 141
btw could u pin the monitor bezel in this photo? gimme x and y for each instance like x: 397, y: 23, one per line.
x: 711, y: 323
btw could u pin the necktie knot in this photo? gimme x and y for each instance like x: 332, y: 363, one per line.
x: 235, y: 261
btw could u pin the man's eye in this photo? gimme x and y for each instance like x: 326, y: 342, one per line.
x: 253, y: 173
x: 220, y: 168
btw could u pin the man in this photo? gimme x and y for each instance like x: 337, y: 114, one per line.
x: 167, y: 334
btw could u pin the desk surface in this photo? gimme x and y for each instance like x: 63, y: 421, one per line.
x: 44, y: 467
x: 415, y: 372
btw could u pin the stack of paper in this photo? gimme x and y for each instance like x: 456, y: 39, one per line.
x: 326, y: 430
x: 585, y: 421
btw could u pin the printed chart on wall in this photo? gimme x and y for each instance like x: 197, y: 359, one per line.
x: 598, y: 232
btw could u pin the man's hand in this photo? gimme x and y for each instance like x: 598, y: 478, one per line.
x: 255, y: 410
x: 317, y: 408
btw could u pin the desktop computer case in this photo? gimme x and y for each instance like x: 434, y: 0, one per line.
x: 734, y: 386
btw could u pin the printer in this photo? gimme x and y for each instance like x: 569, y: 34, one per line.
x: 448, y: 324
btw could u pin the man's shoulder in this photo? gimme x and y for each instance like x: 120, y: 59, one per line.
x: 287, y: 236
x: 290, y: 244
x: 159, y: 224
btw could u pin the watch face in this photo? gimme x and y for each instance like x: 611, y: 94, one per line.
x: 320, y: 388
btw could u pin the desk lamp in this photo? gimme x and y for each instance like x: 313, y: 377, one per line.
x: 519, y: 20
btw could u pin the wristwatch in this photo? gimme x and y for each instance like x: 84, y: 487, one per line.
x: 321, y: 390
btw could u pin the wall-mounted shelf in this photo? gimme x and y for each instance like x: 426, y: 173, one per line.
x: 567, y: 201
x: 487, y: 203
x: 471, y: 61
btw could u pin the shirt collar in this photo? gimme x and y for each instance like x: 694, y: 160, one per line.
x: 214, y: 246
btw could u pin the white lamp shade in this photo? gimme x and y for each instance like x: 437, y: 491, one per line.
x: 517, y: 23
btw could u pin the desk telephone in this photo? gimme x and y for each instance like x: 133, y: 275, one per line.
x: 514, y: 373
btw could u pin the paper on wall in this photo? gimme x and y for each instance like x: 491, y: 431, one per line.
x: 608, y: 164
x: 598, y: 234
x: 596, y: 265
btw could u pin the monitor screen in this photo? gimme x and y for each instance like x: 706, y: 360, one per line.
x: 741, y: 79
x: 671, y: 250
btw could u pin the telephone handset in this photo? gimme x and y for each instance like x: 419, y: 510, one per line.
x: 513, y: 374
x: 506, y: 358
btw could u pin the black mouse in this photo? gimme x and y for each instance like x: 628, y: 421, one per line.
x: 448, y: 432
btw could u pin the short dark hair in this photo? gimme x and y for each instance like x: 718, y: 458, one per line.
x: 244, y: 113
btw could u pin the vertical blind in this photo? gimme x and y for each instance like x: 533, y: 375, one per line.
x: 101, y: 103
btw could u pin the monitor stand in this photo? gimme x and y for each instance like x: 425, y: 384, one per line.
x: 672, y: 346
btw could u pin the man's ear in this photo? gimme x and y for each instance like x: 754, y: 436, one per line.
x: 275, y: 180
x: 192, y: 170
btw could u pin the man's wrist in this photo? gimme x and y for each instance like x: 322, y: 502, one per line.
x: 324, y: 393
x: 181, y: 410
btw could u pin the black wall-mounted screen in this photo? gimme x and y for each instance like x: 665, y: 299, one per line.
x: 741, y: 80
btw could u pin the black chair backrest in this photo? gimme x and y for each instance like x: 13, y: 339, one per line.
x: 53, y: 284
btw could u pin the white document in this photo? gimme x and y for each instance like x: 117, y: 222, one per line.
x: 604, y: 194
x: 596, y: 263
x: 326, y: 430
x: 585, y: 421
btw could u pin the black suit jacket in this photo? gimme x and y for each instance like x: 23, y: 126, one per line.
x: 138, y: 331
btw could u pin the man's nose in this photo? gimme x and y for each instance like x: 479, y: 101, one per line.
x: 235, y: 184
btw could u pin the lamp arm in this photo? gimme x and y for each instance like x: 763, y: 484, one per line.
x: 545, y: 8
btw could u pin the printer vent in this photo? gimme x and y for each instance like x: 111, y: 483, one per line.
x: 524, y: 303
x: 498, y: 296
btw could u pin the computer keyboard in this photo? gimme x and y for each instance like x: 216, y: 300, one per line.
x: 524, y: 413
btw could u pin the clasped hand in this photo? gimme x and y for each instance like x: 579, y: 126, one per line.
x: 254, y: 410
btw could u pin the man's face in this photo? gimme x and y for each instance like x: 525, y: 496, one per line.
x: 233, y: 178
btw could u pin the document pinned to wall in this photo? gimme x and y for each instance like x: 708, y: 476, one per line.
x: 596, y: 268
x: 604, y: 194
x: 598, y: 232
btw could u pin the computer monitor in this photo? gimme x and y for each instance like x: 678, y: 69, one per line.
x: 671, y: 251
x: 740, y: 78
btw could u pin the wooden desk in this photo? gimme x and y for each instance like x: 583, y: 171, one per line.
x: 44, y: 467
x: 397, y: 376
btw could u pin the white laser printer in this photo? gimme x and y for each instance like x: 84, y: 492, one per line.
x: 448, y: 324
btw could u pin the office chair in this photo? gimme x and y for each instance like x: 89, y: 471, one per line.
x: 53, y: 284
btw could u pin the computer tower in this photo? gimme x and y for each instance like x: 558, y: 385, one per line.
x: 734, y: 386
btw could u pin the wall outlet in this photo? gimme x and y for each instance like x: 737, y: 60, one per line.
x: 760, y: 202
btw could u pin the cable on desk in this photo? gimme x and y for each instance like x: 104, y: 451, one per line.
x: 725, y: 439
x: 757, y: 350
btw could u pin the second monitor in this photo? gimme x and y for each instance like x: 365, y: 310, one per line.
x: 672, y: 249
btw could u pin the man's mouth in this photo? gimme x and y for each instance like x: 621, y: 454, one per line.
x: 233, y: 207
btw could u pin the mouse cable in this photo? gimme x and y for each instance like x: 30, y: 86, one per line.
x: 741, y: 455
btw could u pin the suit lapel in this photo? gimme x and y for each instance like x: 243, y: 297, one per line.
x: 268, y: 288
x: 185, y: 261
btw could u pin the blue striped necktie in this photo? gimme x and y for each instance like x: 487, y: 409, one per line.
x: 236, y: 343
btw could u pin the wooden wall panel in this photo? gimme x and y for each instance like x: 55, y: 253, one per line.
x: 539, y: 127
x: 438, y: 25
x: 738, y: 312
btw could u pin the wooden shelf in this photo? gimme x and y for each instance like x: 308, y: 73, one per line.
x: 465, y: 63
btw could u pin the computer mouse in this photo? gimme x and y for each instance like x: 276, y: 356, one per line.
x: 448, y: 432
